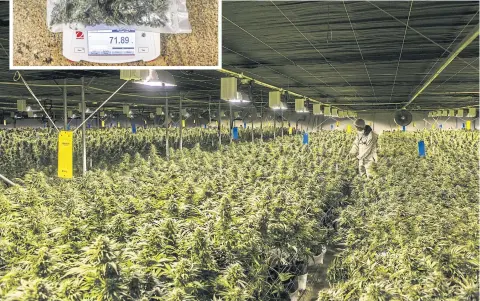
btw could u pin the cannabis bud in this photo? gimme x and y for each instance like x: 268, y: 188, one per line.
x: 151, y: 13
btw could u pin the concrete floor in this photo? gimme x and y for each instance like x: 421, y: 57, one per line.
x: 35, y: 45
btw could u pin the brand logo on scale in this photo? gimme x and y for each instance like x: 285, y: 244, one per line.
x: 80, y: 35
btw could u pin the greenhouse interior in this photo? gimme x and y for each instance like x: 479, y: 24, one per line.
x: 334, y: 157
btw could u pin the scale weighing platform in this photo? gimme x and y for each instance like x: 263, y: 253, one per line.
x: 107, y: 45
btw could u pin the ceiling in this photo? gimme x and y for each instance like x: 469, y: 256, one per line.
x: 348, y: 54
x: 306, y: 47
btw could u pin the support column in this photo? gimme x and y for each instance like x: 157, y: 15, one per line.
x: 253, y: 135
x: 231, y: 123
x: 167, y: 150
x: 282, y: 123
x: 261, y: 116
x: 65, y: 114
x: 219, y: 125
x: 181, y: 123
x: 84, y: 142
x: 274, y: 124
x: 209, y: 112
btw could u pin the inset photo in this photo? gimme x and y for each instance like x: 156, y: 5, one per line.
x: 99, y: 33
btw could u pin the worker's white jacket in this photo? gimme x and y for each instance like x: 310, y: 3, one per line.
x: 365, y: 147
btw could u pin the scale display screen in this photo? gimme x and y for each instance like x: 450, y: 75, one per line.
x: 111, y: 43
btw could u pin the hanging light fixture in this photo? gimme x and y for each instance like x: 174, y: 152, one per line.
x: 275, y: 101
x: 241, y: 97
x: 300, y: 106
x: 231, y: 91
x: 156, y: 78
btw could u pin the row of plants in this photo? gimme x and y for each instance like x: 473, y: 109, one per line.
x: 27, y: 148
x: 412, y: 233
x: 233, y: 224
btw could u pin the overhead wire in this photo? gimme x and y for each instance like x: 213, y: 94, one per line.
x: 454, y: 75
x: 268, y: 67
x: 311, y: 44
x: 445, y: 51
x: 276, y: 51
x: 361, y: 55
x: 401, y: 50
x: 418, y: 32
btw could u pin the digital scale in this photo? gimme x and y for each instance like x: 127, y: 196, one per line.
x: 101, y: 44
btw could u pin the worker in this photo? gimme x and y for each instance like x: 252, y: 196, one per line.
x: 364, y: 147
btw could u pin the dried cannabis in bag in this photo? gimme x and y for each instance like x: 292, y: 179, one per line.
x: 152, y: 13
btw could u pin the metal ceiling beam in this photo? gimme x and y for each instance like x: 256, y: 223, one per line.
x: 471, y: 36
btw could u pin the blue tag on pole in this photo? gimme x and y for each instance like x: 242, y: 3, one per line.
x: 305, y: 138
x: 404, y: 128
x: 463, y: 125
x: 440, y: 126
x: 244, y: 125
x: 134, y: 128
x: 68, y: 127
x: 331, y: 126
x: 421, y: 148
x: 235, y: 133
x: 204, y: 126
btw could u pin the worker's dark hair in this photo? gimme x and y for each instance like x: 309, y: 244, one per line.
x: 367, y: 130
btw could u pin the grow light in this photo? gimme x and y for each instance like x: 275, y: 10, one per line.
x: 21, y: 105
x: 281, y: 107
x: 157, y: 78
x: 274, y: 99
x: 328, y: 111
x: 300, y: 106
x: 113, y: 45
x: 240, y: 98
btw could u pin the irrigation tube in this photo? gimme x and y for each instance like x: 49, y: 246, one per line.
x: 7, y: 180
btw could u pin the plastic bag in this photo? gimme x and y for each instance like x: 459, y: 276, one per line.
x: 163, y: 16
